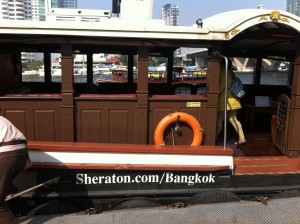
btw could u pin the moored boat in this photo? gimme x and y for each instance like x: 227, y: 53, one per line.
x: 100, y: 138
x: 180, y: 74
x: 30, y: 72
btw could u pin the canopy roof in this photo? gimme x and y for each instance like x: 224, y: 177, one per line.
x: 248, y: 32
x: 255, y: 32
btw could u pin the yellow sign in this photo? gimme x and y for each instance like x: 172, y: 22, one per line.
x: 193, y: 104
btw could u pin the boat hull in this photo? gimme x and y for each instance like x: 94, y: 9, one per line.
x: 97, y: 175
x: 124, y: 183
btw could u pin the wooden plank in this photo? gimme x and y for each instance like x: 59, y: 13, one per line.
x: 266, y: 165
x: 128, y: 167
x: 129, y: 148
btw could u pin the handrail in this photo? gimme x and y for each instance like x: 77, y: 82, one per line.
x: 225, y: 98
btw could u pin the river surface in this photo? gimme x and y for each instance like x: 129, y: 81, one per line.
x: 267, y: 78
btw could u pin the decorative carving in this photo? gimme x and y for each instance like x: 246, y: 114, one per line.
x: 263, y: 18
x: 275, y: 15
x: 231, y: 33
x: 284, y: 19
x: 234, y: 32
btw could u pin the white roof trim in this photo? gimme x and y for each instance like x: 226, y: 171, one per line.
x: 222, y: 26
x: 240, y: 20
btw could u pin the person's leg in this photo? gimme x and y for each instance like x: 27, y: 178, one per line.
x: 220, y: 120
x: 9, y: 168
x: 236, y: 124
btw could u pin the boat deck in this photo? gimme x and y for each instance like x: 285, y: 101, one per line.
x: 260, y: 156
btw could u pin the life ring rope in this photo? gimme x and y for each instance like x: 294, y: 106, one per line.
x: 176, y: 117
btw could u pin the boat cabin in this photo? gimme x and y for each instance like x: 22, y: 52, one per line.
x: 86, y: 107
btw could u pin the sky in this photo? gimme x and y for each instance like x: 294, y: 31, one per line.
x: 191, y: 10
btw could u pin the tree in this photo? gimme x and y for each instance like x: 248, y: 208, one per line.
x: 123, y: 58
x: 32, y: 65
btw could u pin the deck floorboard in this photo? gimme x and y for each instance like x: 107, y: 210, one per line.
x: 260, y: 156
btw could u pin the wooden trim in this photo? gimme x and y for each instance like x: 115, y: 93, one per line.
x: 127, y: 148
x: 32, y: 96
x: 178, y: 97
x: 108, y: 95
x: 91, y: 166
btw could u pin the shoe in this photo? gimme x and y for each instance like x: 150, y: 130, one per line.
x: 241, y: 142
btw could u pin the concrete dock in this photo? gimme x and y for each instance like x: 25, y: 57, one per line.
x: 285, y: 211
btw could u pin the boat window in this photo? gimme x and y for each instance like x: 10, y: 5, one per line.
x: 32, y: 67
x: 111, y: 68
x: 55, y: 67
x: 244, y: 68
x: 274, y: 72
x: 80, y: 68
x: 189, y: 69
x: 188, y: 74
x: 157, y: 69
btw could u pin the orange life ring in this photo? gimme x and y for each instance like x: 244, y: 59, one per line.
x: 174, y: 117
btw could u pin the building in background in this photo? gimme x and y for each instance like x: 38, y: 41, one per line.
x: 31, y: 9
x: 170, y: 14
x: 15, y: 9
x: 44, y: 7
x: 293, y: 6
x: 34, y: 10
x: 71, y: 4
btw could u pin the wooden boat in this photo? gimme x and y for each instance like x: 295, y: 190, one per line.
x: 179, y: 75
x: 100, y: 138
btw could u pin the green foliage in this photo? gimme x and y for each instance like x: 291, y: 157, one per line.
x: 177, y: 61
x: 123, y: 58
x: 31, y: 65
x: 156, y: 61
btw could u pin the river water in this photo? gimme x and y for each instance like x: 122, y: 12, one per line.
x: 77, y: 78
x: 267, y: 78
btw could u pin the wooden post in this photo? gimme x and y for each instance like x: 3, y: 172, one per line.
x: 67, y: 90
x: 142, y: 96
x: 47, y: 66
x: 258, y: 71
x: 89, y: 68
x: 169, y: 72
x: 130, y: 68
x: 212, y: 89
x: 292, y: 138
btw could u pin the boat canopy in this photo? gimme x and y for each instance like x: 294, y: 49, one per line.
x: 238, y: 30
x: 241, y: 29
